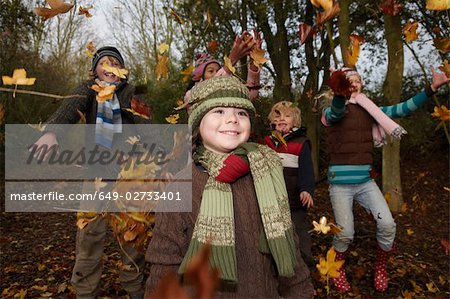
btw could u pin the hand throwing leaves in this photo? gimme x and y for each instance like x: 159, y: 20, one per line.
x: 56, y: 7
x: 339, y: 84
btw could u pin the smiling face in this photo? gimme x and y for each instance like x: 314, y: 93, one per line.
x: 284, y: 121
x: 223, y: 129
x: 355, y: 82
x: 102, y: 74
x: 210, y: 70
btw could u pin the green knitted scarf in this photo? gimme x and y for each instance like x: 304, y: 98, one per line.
x: 215, y: 221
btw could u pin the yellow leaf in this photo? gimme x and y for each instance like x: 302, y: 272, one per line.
x: 162, y: 71
x: 136, y: 113
x: 56, y: 7
x: 275, y: 134
x: 354, y: 49
x: 328, y: 14
x: 177, y: 16
x: 99, y: 184
x: 39, y: 288
x: 19, y: 77
x: 85, y: 11
x: 40, y: 127
x: 410, y: 31
x: 431, y: 287
x: 187, y: 72
x: 41, y: 267
x: 90, y: 50
x: 104, y: 93
x: 438, y: 4
x: 129, y: 236
x: 121, y: 73
x: 21, y: 294
x: 409, y: 232
x: 322, y: 226
x: 133, y: 139
x: 388, y: 197
x: 257, y: 54
x: 162, y: 48
x: 442, y: 44
x: 82, y: 222
x: 173, y: 119
x: 445, y: 67
x: 330, y: 266
x: 325, y: 4
x: 404, y: 207
x: 229, y: 65
x: 442, y: 113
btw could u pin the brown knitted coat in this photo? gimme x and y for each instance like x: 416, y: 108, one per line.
x: 257, y: 276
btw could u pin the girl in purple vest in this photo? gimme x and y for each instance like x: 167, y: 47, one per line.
x: 298, y: 170
x: 354, y: 125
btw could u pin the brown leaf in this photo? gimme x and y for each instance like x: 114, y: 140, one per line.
x: 82, y: 117
x: 56, y: 7
x: 410, y: 31
x: 445, y: 67
x: 213, y: 46
x: 257, y: 54
x: 176, y: 16
x: 391, y: 7
x: 199, y: 274
x: 442, y: 44
x: 85, y: 11
x: 445, y: 244
x: 305, y: 32
x: 354, y: 49
x: 327, y: 15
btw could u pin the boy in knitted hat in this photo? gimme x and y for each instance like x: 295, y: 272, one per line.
x: 298, y: 171
x: 239, y: 205
x: 207, y: 67
x: 108, y: 117
x: 353, y: 124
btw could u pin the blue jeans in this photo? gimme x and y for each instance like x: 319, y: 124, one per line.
x: 369, y: 196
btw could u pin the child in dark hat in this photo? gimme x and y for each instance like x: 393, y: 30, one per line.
x: 239, y: 205
x: 108, y: 117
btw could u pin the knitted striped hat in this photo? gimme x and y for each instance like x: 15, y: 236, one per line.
x: 220, y: 91
x: 106, y: 51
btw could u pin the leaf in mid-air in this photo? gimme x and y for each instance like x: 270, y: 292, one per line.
x: 438, y: 4
x: 19, y: 77
x: 354, y: 49
x: 104, y: 93
x: 56, y: 7
x: 85, y: 11
x: 162, y: 71
x: 391, y: 7
x: 173, y: 119
x: 162, y: 48
x: 257, y: 54
x: 121, y: 73
x: 410, y: 31
x: 187, y: 72
x: 229, y: 65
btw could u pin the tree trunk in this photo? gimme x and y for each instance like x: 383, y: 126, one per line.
x: 392, y: 88
x: 344, y: 29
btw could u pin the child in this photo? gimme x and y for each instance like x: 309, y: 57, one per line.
x: 297, y: 169
x: 239, y: 204
x: 352, y: 125
x: 108, y: 117
x: 207, y: 67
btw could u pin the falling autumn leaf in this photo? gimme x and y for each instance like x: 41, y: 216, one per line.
x: 90, y: 50
x: 410, y: 31
x: 327, y: 15
x: 173, y: 119
x: 56, y: 7
x: 330, y: 266
x: 104, y: 93
x: 278, y: 137
x: 208, y: 20
x: 354, y: 49
x: 177, y: 16
x: 445, y: 244
x: 179, y: 102
x: 19, y: 77
x: 133, y: 139
x: 438, y: 4
x: 162, y: 71
x: 257, y: 54
x: 305, y: 32
x: 228, y: 64
x: 139, y: 108
x: 325, y: 4
x: 85, y: 11
x: 322, y: 226
x: 442, y: 44
x: 213, y: 46
x: 187, y: 72
x: 121, y: 73
x: 391, y: 7
x: 445, y: 67
x: 162, y: 48
x: 99, y: 184
x: 442, y: 113
x: 40, y: 127
x: 82, y: 117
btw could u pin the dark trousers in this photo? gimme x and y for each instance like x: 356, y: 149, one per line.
x: 302, y: 224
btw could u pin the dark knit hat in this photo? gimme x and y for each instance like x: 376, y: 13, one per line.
x: 220, y: 91
x: 106, y: 51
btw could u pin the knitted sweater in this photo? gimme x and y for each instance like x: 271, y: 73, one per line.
x: 257, y: 277
x: 355, y: 174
